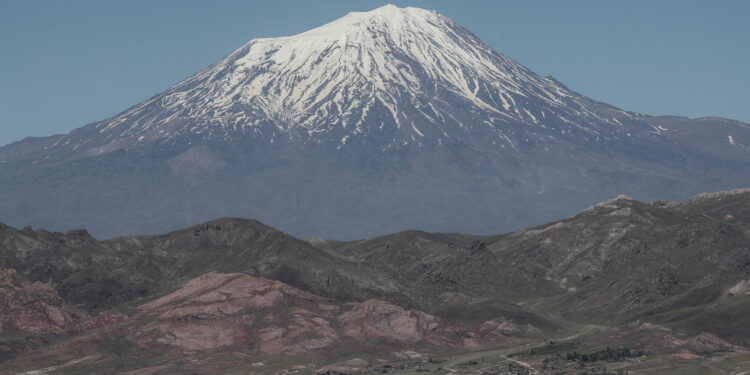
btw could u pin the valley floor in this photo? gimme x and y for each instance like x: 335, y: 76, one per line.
x: 544, y: 358
x: 548, y: 357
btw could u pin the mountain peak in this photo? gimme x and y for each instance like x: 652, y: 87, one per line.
x: 388, y: 19
x: 391, y: 10
x: 391, y: 13
x: 387, y: 78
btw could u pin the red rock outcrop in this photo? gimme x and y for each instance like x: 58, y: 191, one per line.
x: 32, y: 308
x: 104, y: 319
x: 269, y: 318
x: 244, y: 317
x: 375, y: 320
x: 220, y: 310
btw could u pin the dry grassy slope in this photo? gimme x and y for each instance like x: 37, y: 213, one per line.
x: 621, y: 239
x: 83, y: 270
x: 248, y: 246
x: 618, y: 261
x: 624, y: 258
x: 449, y: 274
x: 413, y: 258
x: 102, y: 274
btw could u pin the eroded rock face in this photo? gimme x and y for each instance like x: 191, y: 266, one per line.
x: 219, y: 310
x: 104, y: 319
x: 706, y: 342
x: 269, y: 318
x: 242, y: 316
x: 304, y: 332
x: 32, y: 308
x: 375, y: 320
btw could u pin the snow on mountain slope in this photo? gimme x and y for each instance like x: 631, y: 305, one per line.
x: 397, y: 75
x: 379, y: 121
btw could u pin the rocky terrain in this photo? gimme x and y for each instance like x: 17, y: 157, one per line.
x: 235, y: 318
x: 29, y: 311
x: 669, y: 281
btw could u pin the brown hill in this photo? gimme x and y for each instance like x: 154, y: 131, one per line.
x: 227, y: 320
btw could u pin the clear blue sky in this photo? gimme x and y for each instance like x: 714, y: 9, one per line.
x: 67, y: 63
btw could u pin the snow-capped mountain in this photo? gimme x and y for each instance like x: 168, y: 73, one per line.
x: 383, y: 120
x: 398, y: 75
